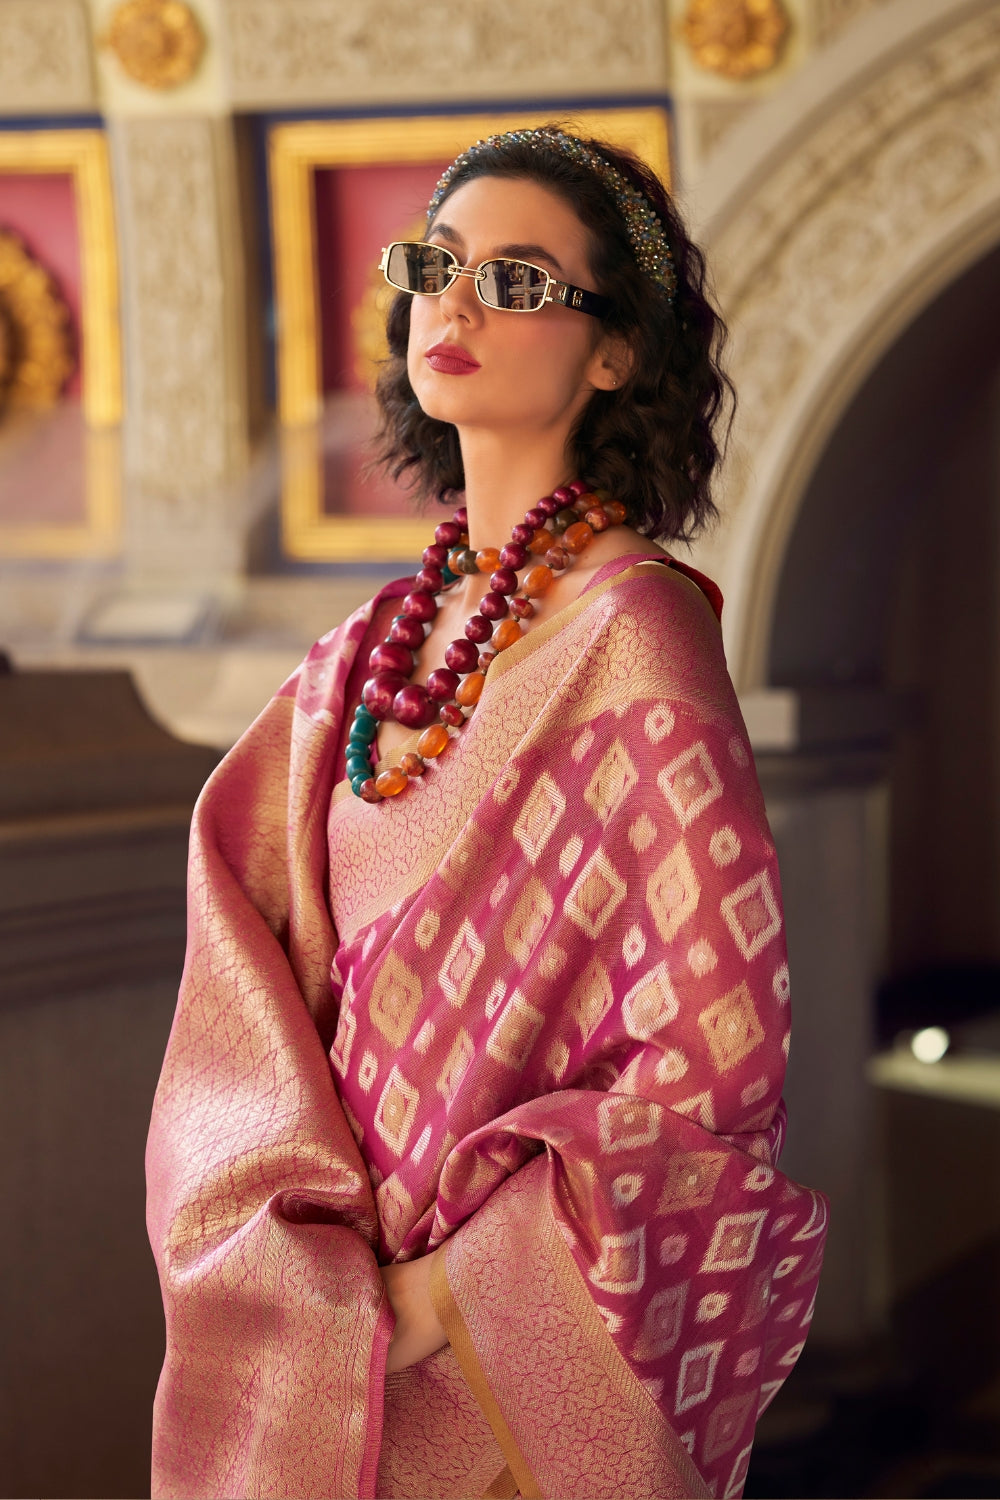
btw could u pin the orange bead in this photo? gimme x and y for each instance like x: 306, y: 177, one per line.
x: 536, y: 581
x: 433, y: 741
x: 506, y: 633
x: 541, y: 541
x: 470, y: 688
x: 411, y: 764
x: 615, y: 511
x: 488, y: 559
x: 576, y: 537
x: 597, y: 518
x: 391, y: 782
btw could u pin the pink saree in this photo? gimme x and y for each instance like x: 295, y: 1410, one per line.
x: 535, y: 1009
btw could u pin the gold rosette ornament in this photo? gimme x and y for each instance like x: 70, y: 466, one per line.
x: 159, y: 43
x: 36, y: 337
x: 735, y: 38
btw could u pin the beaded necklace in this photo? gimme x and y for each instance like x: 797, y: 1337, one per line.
x: 558, y: 528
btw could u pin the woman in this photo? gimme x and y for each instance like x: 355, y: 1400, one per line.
x: 462, y: 1161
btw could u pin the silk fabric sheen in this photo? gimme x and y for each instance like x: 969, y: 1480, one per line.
x: 534, y: 1009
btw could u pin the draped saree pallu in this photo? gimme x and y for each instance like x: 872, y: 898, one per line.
x: 533, y: 1009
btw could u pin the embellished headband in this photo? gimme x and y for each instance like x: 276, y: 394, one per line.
x: 644, y: 229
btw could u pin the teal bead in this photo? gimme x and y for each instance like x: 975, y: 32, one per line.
x: 364, y: 723
x: 357, y: 782
x: 358, y: 765
x: 358, y: 743
x: 449, y: 576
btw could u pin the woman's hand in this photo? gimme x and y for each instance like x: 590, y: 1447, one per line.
x: 418, y: 1330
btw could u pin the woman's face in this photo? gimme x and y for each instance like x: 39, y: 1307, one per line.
x: 528, y: 372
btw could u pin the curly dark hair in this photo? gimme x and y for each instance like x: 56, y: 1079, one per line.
x: 653, y: 442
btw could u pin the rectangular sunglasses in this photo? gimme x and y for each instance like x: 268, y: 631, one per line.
x: 508, y: 285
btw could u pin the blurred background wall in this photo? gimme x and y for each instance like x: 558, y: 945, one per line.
x: 192, y: 201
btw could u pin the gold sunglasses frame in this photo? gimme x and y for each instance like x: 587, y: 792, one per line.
x: 559, y: 293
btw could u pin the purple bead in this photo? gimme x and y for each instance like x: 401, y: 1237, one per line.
x: 461, y: 517
x: 407, y: 632
x: 578, y: 487
x: 429, y: 580
x: 514, y: 555
x: 462, y: 656
x: 503, y: 581
x: 435, y: 556
x: 535, y: 517
x: 522, y: 533
x: 494, y: 606
x: 549, y: 504
x: 420, y: 606
x: 564, y: 495
x: 442, y: 684
x: 379, y: 691
x: 413, y: 708
x: 448, y: 534
x: 391, y: 657
x: 478, y: 629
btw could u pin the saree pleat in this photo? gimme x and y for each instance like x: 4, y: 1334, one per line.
x: 534, y: 1010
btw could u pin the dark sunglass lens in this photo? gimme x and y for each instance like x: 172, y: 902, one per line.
x: 513, y: 285
x: 419, y: 268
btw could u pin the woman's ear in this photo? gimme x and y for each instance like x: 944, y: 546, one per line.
x: 611, y: 362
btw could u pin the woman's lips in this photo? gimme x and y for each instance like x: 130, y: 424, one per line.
x: 450, y: 359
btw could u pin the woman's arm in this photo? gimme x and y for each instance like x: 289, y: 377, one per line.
x: 418, y: 1330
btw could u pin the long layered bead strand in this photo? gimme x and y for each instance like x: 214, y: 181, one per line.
x: 560, y: 527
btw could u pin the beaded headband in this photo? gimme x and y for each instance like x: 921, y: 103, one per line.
x: 644, y: 229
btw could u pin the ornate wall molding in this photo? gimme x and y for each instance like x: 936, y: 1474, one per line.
x: 185, y: 431
x: 283, y: 51
x: 45, y: 57
x: 829, y: 250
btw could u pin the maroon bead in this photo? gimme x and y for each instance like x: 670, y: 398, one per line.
x: 405, y: 631
x: 442, y: 684
x: 564, y: 495
x: 462, y: 655
x: 429, y: 580
x: 412, y: 707
x: 379, y: 691
x: 450, y: 713
x: 556, y: 558
x: 391, y: 657
x: 503, y: 581
x: 522, y: 533
x: 369, y: 791
x: 514, y: 555
x: 521, y: 608
x: 478, y: 629
x: 535, y: 517
x: 549, y: 504
x: 434, y: 556
x: 461, y: 517
x: 493, y: 607
x: 579, y: 487
x: 448, y: 534
x: 420, y: 606
x: 485, y: 657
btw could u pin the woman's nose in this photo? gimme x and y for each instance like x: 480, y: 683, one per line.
x: 460, y: 301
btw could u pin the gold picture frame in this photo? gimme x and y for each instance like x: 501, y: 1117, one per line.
x: 295, y: 151
x: 83, y: 155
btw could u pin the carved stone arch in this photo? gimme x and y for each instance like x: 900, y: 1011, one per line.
x: 848, y: 204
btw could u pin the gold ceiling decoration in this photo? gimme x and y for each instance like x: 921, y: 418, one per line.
x: 158, y: 42
x: 736, y: 38
x: 36, y: 336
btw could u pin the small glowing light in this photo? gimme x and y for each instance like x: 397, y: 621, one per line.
x: 930, y: 1045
